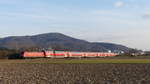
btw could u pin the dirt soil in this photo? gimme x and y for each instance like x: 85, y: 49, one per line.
x: 74, y: 73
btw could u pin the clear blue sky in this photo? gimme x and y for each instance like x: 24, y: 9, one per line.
x: 125, y: 22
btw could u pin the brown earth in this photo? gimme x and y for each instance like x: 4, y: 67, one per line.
x: 74, y: 73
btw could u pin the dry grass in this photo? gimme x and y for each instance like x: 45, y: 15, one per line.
x: 77, y: 61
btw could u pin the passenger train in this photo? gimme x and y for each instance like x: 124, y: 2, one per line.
x: 65, y: 54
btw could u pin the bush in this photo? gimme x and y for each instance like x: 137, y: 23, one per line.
x: 10, y: 54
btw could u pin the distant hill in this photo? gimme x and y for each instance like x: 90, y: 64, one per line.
x: 59, y: 42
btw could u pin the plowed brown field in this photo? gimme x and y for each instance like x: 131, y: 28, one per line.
x: 36, y: 73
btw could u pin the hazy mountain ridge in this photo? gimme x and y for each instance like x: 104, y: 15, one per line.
x: 57, y: 39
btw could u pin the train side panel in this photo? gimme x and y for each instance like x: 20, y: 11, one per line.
x: 33, y: 54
